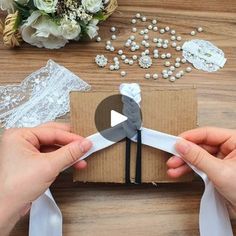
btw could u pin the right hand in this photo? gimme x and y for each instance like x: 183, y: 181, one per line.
x: 213, y: 151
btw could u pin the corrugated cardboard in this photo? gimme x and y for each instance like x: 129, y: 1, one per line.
x: 170, y: 111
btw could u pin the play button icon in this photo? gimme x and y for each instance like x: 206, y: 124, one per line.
x: 117, y: 118
x: 111, y: 116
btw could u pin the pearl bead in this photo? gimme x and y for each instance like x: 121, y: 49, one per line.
x: 172, y: 68
x: 143, y: 54
x: 120, y: 52
x: 133, y: 49
x: 129, y: 41
x: 173, y: 38
x: 116, y: 67
x: 123, y: 57
x: 188, y: 69
x: 146, y: 31
x: 177, y: 59
x: 143, y: 42
x: 133, y: 43
x: 115, y: 59
x: 146, y: 37
x: 134, y: 30
x: 112, y: 67
x: 160, y: 40
x: 147, y: 76
x: 170, y: 72
x: 147, y: 52
x: 150, y: 27
x: 147, y: 45
x: 113, y: 37
x: 199, y: 29
x: 183, y: 60
x: 167, y: 28
x: 165, y: 76
x: 155, y: 76
x: 155, y: 51
x: 133, y: 21
x: 154, y: 21
x: 131, y: 62
x: 98, y: 39
x: 108, y: 42
x: 138, y: 15
x: 127, y: 44
x: 181, y: 72
x: 172, y: 78
x: 112, y: 49
x: 154, y: 40
x: 174, y: 44
x: 193, y: 33
x: 159, y: 45
x: 162, y: 31
x: 163, y: 56
x: 178, y: 75
x: 113, y: 29
x: 155, y: 55
x: 135, y: 57
x: 144, y: 18
x: 166, y: 41
x: 167, y: 63
x: 177, y: 64
x: 155, y: 28
x: 142, y: 32
x: 164, y: 72
x: 168, y: 55
x: 126, y: 61
x: 165, y: 46
x: 132, y: 37
x: 137, y: 47
x: 179, y: 38
x: 108, y: 47
x: 123, y: 73
x: 178, y: 48
x: 172, y: 32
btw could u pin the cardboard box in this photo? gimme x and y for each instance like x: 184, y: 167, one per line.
x: 170, y: 111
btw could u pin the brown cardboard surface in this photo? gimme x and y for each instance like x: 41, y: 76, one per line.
x: 170, y: 111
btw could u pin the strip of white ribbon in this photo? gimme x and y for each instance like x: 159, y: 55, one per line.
x: 46, y: 219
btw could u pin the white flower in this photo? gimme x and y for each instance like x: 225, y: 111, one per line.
x: 70, y: 29
x: 49, y: 6
x: 9, y: 4
x: 92, y: 28
x: 39, y: 30
x: 92, y: 6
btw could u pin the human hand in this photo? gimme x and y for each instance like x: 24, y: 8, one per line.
x: 30, y: 160
x: 213, y: 151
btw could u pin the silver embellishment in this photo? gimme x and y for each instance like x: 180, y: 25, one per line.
x: 145, y: 62
x: 101, y: 60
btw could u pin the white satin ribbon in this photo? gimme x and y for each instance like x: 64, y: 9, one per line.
x: 214, y: 219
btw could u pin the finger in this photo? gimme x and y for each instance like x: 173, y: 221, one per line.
x: 69, y: 154
x: 80, y: 165
x: 211, y: 149
x: 51, y: 148
x: 208, y: 135
x: 180, y: 171
x: 198, y: 157
x: 175, y: 162
x: 56, y: 125
x: 52, y: 136
x: 229, y: 146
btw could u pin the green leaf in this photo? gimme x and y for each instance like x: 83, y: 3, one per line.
x: 100, y: 16
x: 24, y: 11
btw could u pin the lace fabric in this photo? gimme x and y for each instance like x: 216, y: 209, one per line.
x: 203, y: 55
x: 41, y: 97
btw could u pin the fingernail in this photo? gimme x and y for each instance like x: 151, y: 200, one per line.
x: 182, y: 147
x: 85, y: 145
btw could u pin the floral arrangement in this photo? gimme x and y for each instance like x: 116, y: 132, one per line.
x: 52, y: 23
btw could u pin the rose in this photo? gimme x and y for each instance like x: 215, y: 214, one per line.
x: 92, y: 6
x: 92, y: 28
x: 9, y: 4
x: 39, y: 30
x: 70, y: 29
x: 49, y: 6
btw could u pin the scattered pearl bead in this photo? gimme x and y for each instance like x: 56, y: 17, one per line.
x: 113, y: 37
x: 134, y: 30
x: 143, y: 54
x: 132, y: 37
x: 177, y: 59
x: 168, y: 55
x: 133, y: 43
x: 150, y: 27
x: 183, y: 60
x: 199, y: 29
x: 170, y: 72
x: 137, y: 47
x: 127, y: 44
x: 154, y: 21
x: 165, y: 46
x: 126, y: 61
x: 164, y: 72
x: 123, y: 73
x: 179, y: 38
x: 117, y: 67
x: 112, y: 67
x: 181, y: 72
x: 165, y: 76
x: 160, y: 40
x: 133, y: 21
x: 113, y: 29
x: 146, y: 37
x: 193, y: 33
x: 167, y: 63
x: 173, y: 38
x: 156, y: 56
x: 163, y: 56
x: 155, y: 28
x: 120, y: 52
x: 135, y: 57
x: 112, y: 49
x: 174, y: 44
x: 147, y: 52
x: 172, y: 79
x: 143, y: 42
x: 172, y: 68
x: 159, y: 45
x: 167, y: 28
x: 178, y: 48
x: 98, y: 39
x: 162, y: 31
x: 138, y: 15
x: 146, y: 31
x: 155, y: 76
x: 144, y: 18
x: 115, y: 59
x: 147, y: 45
x: 131, y: 62
x: 123, y: 57
x: 133, y: 49
x: 155, y: 40
x: 166, y: 41
x: 188, y: 69
x: 172, y: 32
x: 147, y: 76
x: 108, y: 42
x: 108, y: 47
x: 177, y: 64
x: 178, y: 76
x: 155, y: 51
x: 142, y: 32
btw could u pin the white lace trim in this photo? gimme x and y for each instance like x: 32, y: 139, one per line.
x: 41, y: 97
x: 203, y: 55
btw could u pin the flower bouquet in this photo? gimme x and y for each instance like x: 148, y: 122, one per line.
x: 52, y: 23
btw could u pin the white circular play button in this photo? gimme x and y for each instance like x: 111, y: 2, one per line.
x: 117, y: 118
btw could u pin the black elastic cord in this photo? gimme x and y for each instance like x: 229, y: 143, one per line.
x: 127, y: 161
x: 138, y: 175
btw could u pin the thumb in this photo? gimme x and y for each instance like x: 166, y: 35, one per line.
x: 69, y: 154
x: 198, y: 157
